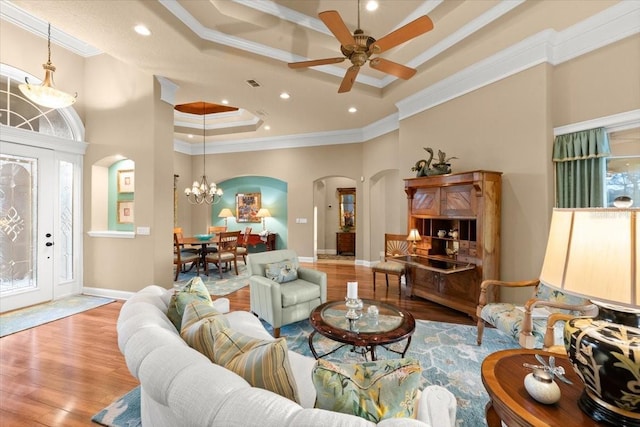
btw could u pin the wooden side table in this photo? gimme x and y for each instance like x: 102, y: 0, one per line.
x: 503, y: 378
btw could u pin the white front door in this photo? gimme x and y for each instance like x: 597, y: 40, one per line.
x: 27, y: 238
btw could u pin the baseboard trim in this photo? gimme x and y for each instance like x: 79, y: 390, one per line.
x: 107, y: 293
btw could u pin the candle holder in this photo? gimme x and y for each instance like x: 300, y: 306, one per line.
x: 354, y: 312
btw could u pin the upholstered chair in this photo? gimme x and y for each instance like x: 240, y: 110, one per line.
x: 525, y: 324
x: 281, y: 291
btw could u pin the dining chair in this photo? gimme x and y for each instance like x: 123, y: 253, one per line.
x: 226, y: 253
x: 243, y: 244
x: 215, y: 229
x: 178, y: 231
x: 182, y: 257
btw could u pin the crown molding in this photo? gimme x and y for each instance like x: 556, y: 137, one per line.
x: 282, y: 12
x: 168, y: 90
x: 613, y: 123
x: 609, y: 26
x: 20, y: 18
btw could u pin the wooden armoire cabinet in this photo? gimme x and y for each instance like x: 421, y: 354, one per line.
x: 458, y: 217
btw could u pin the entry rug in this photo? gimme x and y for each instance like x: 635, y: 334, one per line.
x: 30, y: 317
x: 447, y: 352
x: 217, y: 286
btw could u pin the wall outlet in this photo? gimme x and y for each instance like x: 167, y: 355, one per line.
x: 143, y: 231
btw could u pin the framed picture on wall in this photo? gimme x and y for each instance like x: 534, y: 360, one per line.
x: 125, y: 212
x: 126, y: 181
x: 247, y: 207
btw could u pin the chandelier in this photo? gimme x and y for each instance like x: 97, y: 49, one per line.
x: 203, y: 191
x: 46, y: 94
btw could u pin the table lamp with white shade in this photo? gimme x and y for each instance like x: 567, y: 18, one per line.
x: 263, y: 213
x: 594, y: 253
x: 225, y: 213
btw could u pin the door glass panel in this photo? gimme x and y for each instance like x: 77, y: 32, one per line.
x: 18, y: 196
x: 64, y: 238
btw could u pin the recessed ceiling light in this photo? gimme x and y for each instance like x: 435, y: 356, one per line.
x: 142, y: 30
x: 372, y: 5
x: 190, y: 136
x: 225, y: 101
x: 267, y: 127
x: 285, y: 95
x: 353, y: 109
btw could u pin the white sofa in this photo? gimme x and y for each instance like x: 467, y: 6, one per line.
x: 182, y: 387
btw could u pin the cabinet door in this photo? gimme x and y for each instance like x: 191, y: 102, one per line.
x: 426, y: 201
x: 458, y: 200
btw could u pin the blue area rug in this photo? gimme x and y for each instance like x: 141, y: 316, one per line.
x: 447, y: 352
x: 124, y: 412
x: 217, y: 286
x: 19, y: 320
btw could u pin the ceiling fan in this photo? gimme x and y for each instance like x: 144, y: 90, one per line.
x: 358, y: 47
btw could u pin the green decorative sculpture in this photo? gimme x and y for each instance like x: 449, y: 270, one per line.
x: 423, y: 167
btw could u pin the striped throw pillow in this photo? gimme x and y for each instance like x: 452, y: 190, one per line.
x: 262, y: 363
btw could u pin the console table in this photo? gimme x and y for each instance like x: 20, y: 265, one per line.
x: 256, y: 239
x: 345, y: 243
x: 503, y: 378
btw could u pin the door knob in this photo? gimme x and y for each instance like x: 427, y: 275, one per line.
x: 49, y: 244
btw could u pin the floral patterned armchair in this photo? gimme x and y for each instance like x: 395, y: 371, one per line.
x: 522, y: 323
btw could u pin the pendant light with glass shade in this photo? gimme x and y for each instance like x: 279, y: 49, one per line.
x: 46, y: 94
x: 203, y: 191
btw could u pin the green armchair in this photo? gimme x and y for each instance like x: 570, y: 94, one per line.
x: 282, y: 292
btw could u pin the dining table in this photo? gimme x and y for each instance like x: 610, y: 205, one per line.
x: 204, y: 244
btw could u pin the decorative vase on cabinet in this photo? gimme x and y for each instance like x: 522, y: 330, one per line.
x: 467, y: 205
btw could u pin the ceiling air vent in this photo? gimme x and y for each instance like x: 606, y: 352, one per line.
x: 253, y: 83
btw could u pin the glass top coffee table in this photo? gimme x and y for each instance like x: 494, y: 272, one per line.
x: 392, y: 324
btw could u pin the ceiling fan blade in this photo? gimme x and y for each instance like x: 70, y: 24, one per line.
x: 402, y: 34
x: 392, y: 68
x: 315, y: 62
x: 349, y: 79
x: 336, y: 25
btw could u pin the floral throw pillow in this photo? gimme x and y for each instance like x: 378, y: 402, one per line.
x: 195, y: 289
x: 371, y: 390
x: 281, y: 272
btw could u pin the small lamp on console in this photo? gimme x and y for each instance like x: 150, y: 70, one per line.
x: 414, y: 237
x: 263, y: 213
x: 225, y: 213
x: 594, y: 253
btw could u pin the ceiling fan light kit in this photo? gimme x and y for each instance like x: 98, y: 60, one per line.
x: 358, y: 47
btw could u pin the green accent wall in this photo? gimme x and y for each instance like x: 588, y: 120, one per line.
x: 273, y: 197
x: 115, y: 197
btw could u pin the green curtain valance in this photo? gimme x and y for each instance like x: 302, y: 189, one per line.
x: 586, y: 144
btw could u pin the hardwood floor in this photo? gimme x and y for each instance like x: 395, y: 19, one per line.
x: 64, y: 372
